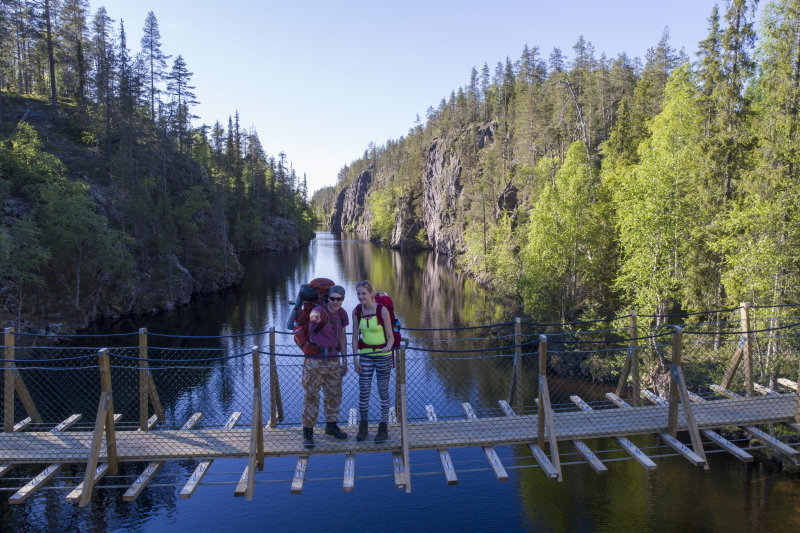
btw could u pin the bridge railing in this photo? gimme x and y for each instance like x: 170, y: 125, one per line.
x: 475, y: 379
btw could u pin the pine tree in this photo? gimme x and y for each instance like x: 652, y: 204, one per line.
x: 154, y: 59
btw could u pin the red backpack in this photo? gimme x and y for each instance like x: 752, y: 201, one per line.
x: 309, y: 297
x: 381, y: 299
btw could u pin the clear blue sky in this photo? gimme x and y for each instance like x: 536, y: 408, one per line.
x: 320, y: 80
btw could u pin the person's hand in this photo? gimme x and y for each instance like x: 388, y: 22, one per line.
x: 344, y: 369
x: 357, y: 366
x: 315, y: 316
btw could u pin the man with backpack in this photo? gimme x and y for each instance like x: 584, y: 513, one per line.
x: 323, y: 370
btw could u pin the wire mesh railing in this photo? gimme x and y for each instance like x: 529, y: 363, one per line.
x: 516, y: 382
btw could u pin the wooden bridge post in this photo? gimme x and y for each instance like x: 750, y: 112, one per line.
x: 8, y: 391
x: 402, y: 415
x: 631, y: 366
x: 679, y: 391
x: 542, y: 377
x: 276, y: 414
x: 258, y: 416
x: 797, y: 400
x: 105, y: 384
x: 144, y: 389
x: 672, y: 418
x: 517, y: 384
x: 747, y: 349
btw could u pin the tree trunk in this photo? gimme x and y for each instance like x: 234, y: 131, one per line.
x: 50, y: 58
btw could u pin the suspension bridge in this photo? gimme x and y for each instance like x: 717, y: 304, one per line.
x: 547, y: 388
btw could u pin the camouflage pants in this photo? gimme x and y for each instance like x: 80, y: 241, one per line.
x: 325, y: 374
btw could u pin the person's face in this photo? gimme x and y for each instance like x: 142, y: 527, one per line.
x: 364, y: 296
x: 335, y: 301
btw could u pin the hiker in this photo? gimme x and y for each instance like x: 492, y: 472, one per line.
x: 324, y: 370
x: 372, y: 345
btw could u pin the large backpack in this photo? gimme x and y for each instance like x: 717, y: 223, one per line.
x: 310, y: 296
x: 381, y: 299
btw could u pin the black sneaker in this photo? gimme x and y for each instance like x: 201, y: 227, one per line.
x: 333, y: 430
x: 308, y: 437
x: 363, y: 428
x: 383, y: 432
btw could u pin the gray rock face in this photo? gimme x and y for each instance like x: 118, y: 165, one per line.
x: 349, y: 213
x: 441, y: 188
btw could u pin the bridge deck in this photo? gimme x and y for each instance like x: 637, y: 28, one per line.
x: 216, y: 443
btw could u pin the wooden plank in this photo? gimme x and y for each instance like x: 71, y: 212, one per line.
x: 653, y: 398
x: 352, y: 418
x: 150, y: 423
x: 547, y: 467
x: 788, y: 383
x: 583, y: 406
x: 636, y: 453
x: 616, y: 400
x: 764, y: 390
x: 202, y: 468
x: 682, y: 449
x: 725, y: 392
x: 596, y: 464
x: 431, y: 413
x: 46, y: 475
x: 506, y: 408
x: 469, y: 411
x: 695, y: 398
x: 399, y: 470
x: 627, y: 445
x: 141, y: 482
x: 66, y: 424
x: 23, y: 424
x: 447, y: 465
x: 495, y: 463
x: 348, y: 482
x: 299, y: 475
x: 241, y: 486
x: 791, y: 425
x: 774, y: 443
x: 4, y: 469
x: 152, y: 469
x: 727, y: 445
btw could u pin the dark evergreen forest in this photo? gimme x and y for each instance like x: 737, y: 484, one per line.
x: 586, y: 185
x: 113, y: 202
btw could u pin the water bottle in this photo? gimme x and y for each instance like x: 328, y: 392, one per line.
x: 396, y: 325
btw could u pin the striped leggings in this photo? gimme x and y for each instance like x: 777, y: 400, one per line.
x: 369, y: 365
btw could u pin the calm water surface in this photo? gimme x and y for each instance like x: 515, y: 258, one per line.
x: 729, y: 497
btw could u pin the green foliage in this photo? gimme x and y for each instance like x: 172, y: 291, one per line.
x: 383, y: 204
x: 562, y: 233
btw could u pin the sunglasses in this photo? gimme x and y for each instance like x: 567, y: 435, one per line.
x: 333, y: 299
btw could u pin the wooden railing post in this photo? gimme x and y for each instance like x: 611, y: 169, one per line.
x: 747, y: 348
x: 144, y: 385
x: 633, y: 355
x: 111, y: 439
x: 631, y: 366
x: 678, y: 384
x: 797, y: 398
x: 256, y: 456
x: 8, y: 391
x: 402, y: 416
x: 672, y: 418
x: 275, y: 398
x: 518, y: 397
x: 542, y: 377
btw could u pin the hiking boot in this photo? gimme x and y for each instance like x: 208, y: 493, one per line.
x: 308, y: 437
x: 383, y: 432
x: 363, y: 427
x: 333, y: 430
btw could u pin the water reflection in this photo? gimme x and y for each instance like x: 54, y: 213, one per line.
x: 428, y: 293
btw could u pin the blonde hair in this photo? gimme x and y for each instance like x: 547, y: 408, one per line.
x: 367, y: 285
